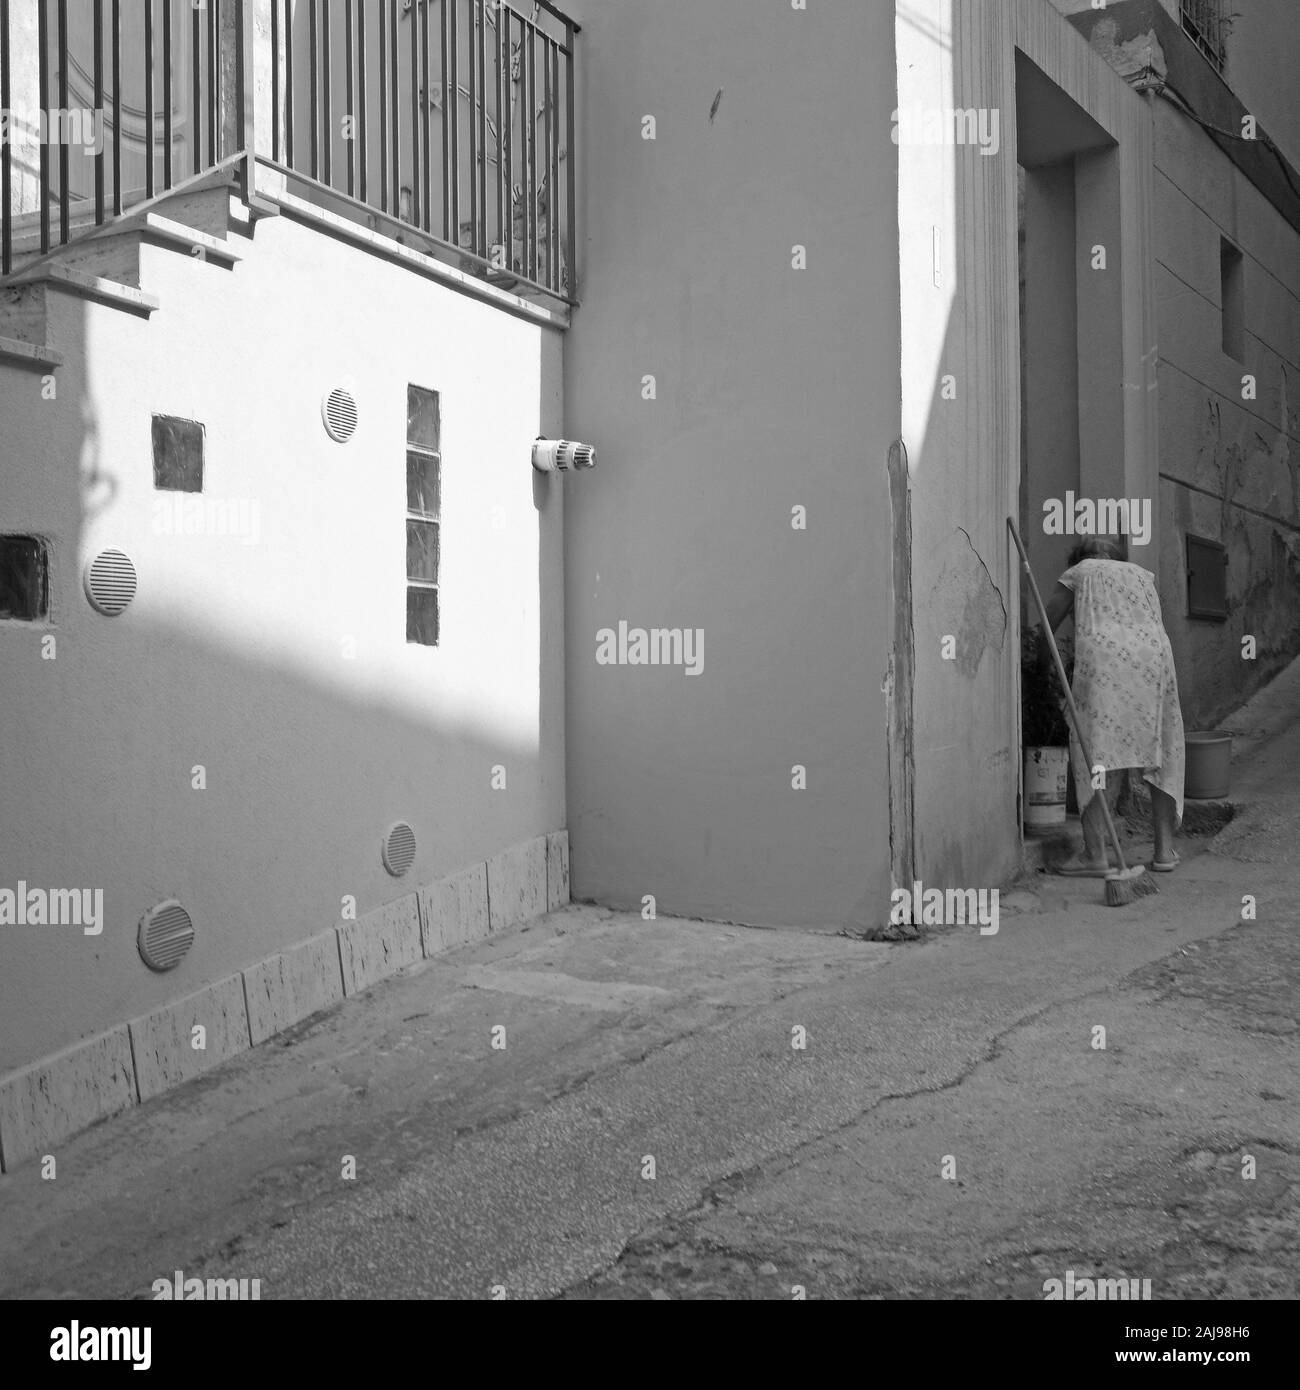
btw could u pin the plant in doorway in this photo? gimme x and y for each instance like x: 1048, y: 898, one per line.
x: 1044, y: 731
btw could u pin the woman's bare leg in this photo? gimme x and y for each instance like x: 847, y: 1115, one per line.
x: 1094, y: 830
x: 1096, y: 842
x: 1163, y: 814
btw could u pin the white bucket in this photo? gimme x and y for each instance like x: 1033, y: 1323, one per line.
x: 1208, y: 768
x: 1047, y: 772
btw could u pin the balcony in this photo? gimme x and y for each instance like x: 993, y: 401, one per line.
x: 445, y: 126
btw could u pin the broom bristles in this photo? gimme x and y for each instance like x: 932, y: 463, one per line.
x: 1123, y: 888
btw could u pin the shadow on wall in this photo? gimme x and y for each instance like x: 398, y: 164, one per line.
x: 157, y: 757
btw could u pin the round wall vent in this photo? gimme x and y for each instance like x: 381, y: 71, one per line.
x: 399, y: 848
x: 166, y: 935
x: 110, y: 582
x: 339, y: 411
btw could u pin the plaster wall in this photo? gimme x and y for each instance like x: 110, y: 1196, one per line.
x: 1229, y: 465
x: 274, y: 658
x: 1225, y: 461
x: 960, y: 384
x: 958, y: 220
x: 1260, y: 68
x: 774, y: 388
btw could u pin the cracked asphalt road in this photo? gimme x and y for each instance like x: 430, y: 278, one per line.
x: 1126, y: 1162
x: 525, y: 1171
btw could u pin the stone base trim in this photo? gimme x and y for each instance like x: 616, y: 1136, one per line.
x: 183, y: 1040
x: 557, y: 869
x: 56, y: 1097
x: 286, y: 988
x: 516, y: 880
x: 455, y: 910
x: 380, y: 944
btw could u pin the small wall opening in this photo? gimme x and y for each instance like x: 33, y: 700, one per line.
x: 1231, y: 290
x: 177, y: 454
x: 1207, y: 579
x: 24, y: 578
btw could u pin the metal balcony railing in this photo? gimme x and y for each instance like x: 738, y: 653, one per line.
x: 447, y: 125
x: 1203, y: 24
x: 108, y: 103
x: 444, y: 121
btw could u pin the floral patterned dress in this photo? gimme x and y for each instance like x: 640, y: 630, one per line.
x: 1124, y: 686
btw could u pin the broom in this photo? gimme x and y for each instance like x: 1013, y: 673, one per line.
x: 1123, y: 885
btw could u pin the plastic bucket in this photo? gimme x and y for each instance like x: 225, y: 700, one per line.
x: 1209, y: 756
x: 1046, y: 778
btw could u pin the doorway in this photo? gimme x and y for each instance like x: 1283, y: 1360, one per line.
x: 1070, y: 317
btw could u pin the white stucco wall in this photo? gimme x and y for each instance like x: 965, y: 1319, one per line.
x: 233, y: 654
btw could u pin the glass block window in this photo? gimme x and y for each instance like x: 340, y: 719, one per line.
x: 423, y: 513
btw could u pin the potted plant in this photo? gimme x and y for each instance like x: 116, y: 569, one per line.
x: 1044, y: 731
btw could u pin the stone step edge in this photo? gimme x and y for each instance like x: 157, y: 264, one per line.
x: 36, y: 356
x: 111, y: 292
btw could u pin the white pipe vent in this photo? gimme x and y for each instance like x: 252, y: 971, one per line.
x: 562, y: 456
x: 166, y: 935
x: 399, y: 848
x: 110, y: 582
x: 339, y: 411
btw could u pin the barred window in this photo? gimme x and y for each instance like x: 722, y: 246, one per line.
x: 1203, y: 23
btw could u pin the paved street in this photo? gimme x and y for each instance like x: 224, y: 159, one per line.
x: 523, y: 1171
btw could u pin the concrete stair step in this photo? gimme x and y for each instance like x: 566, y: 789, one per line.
x: 204, y: 209
x: 23, y: 315
x: 27, y: 337
x: 69, y: 280
x: 199, y: 217
x: 56, y: 278
x: 116, y: 255
x: 103, y: 265
x: 162, y: 230
x: 203, y: 205
x: 36, y: 357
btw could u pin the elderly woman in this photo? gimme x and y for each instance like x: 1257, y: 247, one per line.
x: 1126, y: 692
